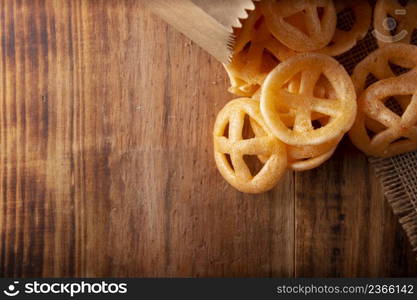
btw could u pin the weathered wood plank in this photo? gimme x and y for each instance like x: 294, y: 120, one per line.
x: 106, y: 116
x: 344, y: 225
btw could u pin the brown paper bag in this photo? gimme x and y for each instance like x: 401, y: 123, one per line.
x: 209, y: 23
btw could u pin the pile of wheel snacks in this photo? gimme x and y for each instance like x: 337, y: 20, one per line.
x: 299, y: 101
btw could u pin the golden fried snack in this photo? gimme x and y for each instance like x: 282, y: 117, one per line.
x: 397, y: 132
x: 307, y: 161
x: 303, y: 158
x: 322, y: 89
x: 301, y: 25
x: 394, y: 22
x: 401, y: 102
x: 379, y: 63
x: 276, y: 99
x: 256, y: 53
x: 257, y: 95
x: 307, y: 157
x: 246, y: 81
x: 343, y: 40
x: 228, y: 140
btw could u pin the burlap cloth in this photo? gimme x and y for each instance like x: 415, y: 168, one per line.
x: 397, y: 174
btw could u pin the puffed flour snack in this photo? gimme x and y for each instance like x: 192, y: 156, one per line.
x: 398, y: 132
x: 301, y: 101
x: 301, y: 25
x: 275, y: 98
x: 395, y: 22
x: 387, y: 110
x: 256, y: 53
x: 343, y: 40
x: 228, y: 140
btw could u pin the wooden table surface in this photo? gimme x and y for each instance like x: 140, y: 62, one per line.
x: 107, y: 167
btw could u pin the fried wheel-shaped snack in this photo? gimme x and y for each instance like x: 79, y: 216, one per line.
x: 303, y: 158
x: 343, y: 40
x: 397, y: 131
x: 380, y: 63
x: 256, y: 53
x: 301, y: 25
x: 228, y: 140
x: 394, y: 22
x: 277, y: 99
x: 246, y: 81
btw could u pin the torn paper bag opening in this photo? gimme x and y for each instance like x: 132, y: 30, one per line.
x: 215, y: 19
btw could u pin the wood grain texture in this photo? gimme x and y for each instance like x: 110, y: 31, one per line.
x: 107, y: 166
x: 344, y: 226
